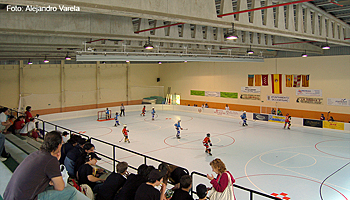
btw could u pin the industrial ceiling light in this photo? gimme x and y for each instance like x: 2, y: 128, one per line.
x: 250, y: 51
x: 68, y: 57
x: 304, y: 55
x: 326, y: 46
x: 46, y: 60
x: 160, y: 63
x: 148, y: 44
x: 29, y: 62
x: 127, y: 61
x: 230, y: 35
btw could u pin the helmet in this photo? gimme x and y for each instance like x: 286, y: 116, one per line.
x: 179, y: 120
x: 152, y: 107
x: 244, y: 111
x: 124, y: 125
x: 208, y: 134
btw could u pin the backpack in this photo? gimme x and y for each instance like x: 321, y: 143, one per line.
x: 85, y: 189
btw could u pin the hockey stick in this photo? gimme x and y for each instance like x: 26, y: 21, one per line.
x: 185, y: 129
x: 121, y: 139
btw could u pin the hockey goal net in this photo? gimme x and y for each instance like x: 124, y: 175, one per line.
x: 101, y: 115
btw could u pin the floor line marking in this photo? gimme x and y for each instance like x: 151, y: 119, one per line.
x: 286, y: 159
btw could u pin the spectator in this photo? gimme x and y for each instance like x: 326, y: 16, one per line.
x: 86, y: 173
x: 206, y: 105
x: 19, y: 123
x: 11, y: 119
x: 71, y: 143
x: 73, y: 155
x: 331, y: 119
x: 322, y: 117
x: 5, y: 123
x: 28, y: 114
x: 29, y: 129
x: 147, y: 191
x: 38, y: 176
x: 88, y: 148
x: 65, y: 137
x: 279, y: 112
x: 174, y: 174
x: 113, y: 183
x: 273, y: 111
x: 183, y: 192
x: 224, y: 178
x: 133, y: 181
x: 227, y: 108
x: 201, y: 192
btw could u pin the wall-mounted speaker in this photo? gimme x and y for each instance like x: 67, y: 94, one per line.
x: 158, y: 79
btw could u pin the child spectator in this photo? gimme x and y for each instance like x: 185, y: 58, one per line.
x: 29, y: 129
x: 73, y: 155
x: 19, y: 123
x: 86, y: 173
x: 113, y: 183
x: 322, y: 117
x: 147, y: 191
x: 88, y: 148
x: 128, y: 191
x: 201, y: 191
x: 11, y: 119
x: 28, y: 114
x: 65, y: 137
x: 183, y: 192
x: 71, y: 143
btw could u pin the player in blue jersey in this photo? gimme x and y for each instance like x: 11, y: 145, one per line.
x: 244, y: 118
x: 108, y: 113
x: 116, y: 119
x: 153, y: 113
x: 178, y: 127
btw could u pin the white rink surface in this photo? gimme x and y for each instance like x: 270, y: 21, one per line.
x: 263, y: 156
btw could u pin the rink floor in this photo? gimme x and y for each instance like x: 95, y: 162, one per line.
x: 263, y: 156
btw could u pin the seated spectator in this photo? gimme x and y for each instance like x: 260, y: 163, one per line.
x: 86, y: 172
x: 71, y: 143
x: 19, y: 123
x: 65, y: 137
x: 183, y: 192
x: 147, y: 191
x: 279, y: 112
x: 38, y: 176
x: 273, y: 111
x: 201, y: 191
x: 331, y: 119
x: 113, y: 183
x: 29, y: 129
x: 11, y: 119
x: 174, y: 174
x: 73, y: 155
x: 88, y: 148
x: 4, y: 122
x: 322, y: 117
x: 28, y: 114
x: 133, y: 182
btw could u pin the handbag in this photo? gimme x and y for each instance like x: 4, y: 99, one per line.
x: 227, y: 194
x: 65, y: 175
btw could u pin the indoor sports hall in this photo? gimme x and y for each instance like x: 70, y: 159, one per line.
x: 300, y: 163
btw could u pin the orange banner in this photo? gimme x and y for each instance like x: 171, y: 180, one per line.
x: 305, y: 79
x: 258, y: 80
x: 289, y: 80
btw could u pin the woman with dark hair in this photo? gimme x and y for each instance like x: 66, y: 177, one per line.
x: 28, y: 114
x: 223, y: 180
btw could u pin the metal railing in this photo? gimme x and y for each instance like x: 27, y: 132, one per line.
x: 145, y: 157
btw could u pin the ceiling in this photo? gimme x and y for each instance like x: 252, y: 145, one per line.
x: 104, y: 28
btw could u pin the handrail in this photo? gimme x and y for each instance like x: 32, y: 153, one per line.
x: 252, y: 192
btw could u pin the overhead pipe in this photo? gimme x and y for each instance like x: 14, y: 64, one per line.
x: 293, y: 42
x: 265, y: 7
x: 150, y: 29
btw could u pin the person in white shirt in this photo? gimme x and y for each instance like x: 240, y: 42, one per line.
x: 4, y: 125
x: 227, y: 108
x: 29, y: 129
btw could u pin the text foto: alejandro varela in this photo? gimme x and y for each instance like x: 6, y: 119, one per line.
x: 36, y: 9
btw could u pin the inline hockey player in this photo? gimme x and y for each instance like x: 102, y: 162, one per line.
x: 244, y: 118
x: 153, y: 113
x: 125, y: 133
x: 143, y: 112
x: 287, y: 120
x: 116, y: 119
x: 178, y: 127
x: 206, y: 143
x: 108, y: 113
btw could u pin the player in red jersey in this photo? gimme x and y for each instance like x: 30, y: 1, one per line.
x: 287, y: 121
x: 125, y: 133
x: 143, y: 111
x: 206, y: 143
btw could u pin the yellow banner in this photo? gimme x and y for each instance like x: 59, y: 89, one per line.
x: 276, y: 83
x: 258, y: 80
x: 333, y: 125
x: 289, y: 80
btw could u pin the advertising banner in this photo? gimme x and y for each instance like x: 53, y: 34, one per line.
x: 250, y: 89
x: 307, y: 92
x: 278, y: 119
x: 333, y: 125
x: 277, y: 98
x: 212, y: 94
x: 309, y: 100
x: 250, y: 96
x: 261, y: 117
x: 197, y: 93
x: 233, y: 95
x: 313, y: 123
x: 338, y: 102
